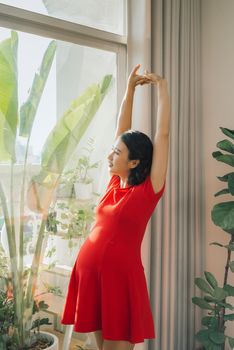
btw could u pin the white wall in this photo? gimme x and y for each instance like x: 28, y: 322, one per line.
x: 217, y: 110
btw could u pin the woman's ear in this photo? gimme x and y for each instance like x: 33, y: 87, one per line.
x: 134, y: 163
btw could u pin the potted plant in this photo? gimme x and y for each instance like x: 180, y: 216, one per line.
x: 220, y: 310
x: 37, y: 193
x: 73, y: 220
x: 78, y: 178
x: 8, y: 332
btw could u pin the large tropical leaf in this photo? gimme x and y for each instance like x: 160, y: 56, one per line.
x: 225, y: 158
x: 62, y: 142
x: 228, y: 132
x: 226, y: 145
x: 29, y: 108
x: 223, y: 215
x: 67, y: 133
x: 231, y: 183
x: 8, y: 97
x: 225, y: 177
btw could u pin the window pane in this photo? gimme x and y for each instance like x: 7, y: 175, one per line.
x: 108, y: 15
x: 50, y: 215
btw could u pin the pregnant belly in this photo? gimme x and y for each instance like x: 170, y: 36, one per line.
x: 108, y: 253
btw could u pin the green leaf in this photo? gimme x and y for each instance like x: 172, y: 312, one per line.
x: 218, y: 244
x: 226, y: 145
x: 203, y: 285
x: 202, y: 303
x: 67, y: 133
x: 231, y: 183
x: 228, y: 132
x: 225, y: 177
x: 224, y: 158
x: 209, y: 321
x: 217, y: 337
x: 231, y: 342
x: 209, y: 299
x: 231, y: 265
x: 211, y: 279
x: 223, y: 215
x: 224, y: 191
x: 8, y: 97
x: 229, y: 317
x: 220, y: 294
x: 226, y: 305
x: 62, y: 142
x: 29, y: 108
x: 229, y: 289
x: 203, y: 335
x: 42, y: 305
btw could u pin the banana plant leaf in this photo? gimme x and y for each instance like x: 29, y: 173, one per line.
x: 8, y: 97
x: 223, y: 216
x: 65, y: 136
x: 29, y: 108
x: 62, y: 142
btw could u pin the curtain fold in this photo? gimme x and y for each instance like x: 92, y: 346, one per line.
x: 178, y: 226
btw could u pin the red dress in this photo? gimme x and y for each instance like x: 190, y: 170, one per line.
x: 107, y: 289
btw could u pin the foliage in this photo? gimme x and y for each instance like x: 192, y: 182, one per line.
x: 80, y: 173
x: 6, y: 320
x: 75, y: 221
x: 214, y: 299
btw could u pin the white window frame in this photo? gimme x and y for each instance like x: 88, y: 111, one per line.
x: 26, y: 21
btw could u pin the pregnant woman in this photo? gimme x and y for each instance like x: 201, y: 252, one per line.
x: 107, y: 293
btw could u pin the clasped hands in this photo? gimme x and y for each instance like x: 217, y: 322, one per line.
x: 142, y: 79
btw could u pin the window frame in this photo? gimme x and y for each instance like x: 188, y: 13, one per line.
x: 34, y: 23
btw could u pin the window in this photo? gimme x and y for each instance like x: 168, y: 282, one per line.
x: 80, y: 85
x: 108, y: 15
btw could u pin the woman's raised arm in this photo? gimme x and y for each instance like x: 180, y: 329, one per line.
x: 161, y: 138
x: 125, y: 114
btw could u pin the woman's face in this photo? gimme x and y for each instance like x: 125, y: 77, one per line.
x: 119, y: 164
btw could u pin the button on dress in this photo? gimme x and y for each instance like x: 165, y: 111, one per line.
x: 107, y: 289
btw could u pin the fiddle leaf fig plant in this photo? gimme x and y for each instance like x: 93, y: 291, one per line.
x: 36, y: 193
x: 217, y: 300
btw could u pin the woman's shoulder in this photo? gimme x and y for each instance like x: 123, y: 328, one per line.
x: 147, y: 187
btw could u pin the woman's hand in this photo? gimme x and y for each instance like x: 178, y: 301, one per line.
x: 135, y: 79
x: 156, y: 80
x: 153, y: 78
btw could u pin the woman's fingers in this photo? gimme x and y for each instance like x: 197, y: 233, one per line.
x: 143, y: 81
x: 135, y: 69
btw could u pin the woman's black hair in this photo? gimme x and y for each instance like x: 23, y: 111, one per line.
x: 139, y: 147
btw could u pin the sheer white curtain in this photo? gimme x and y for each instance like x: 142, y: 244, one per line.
x: 177, y: 226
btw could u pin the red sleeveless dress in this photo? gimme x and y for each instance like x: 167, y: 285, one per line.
x: 107, y: 289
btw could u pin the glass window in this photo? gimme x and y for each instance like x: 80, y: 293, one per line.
x: 58, y: 104
x: 58, y: 111
x: 107, y: 15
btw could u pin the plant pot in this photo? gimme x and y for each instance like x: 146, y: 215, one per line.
x: 48, y: 336
x: 83, y: 191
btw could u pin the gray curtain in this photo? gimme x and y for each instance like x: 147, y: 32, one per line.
x: 177, y: 226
